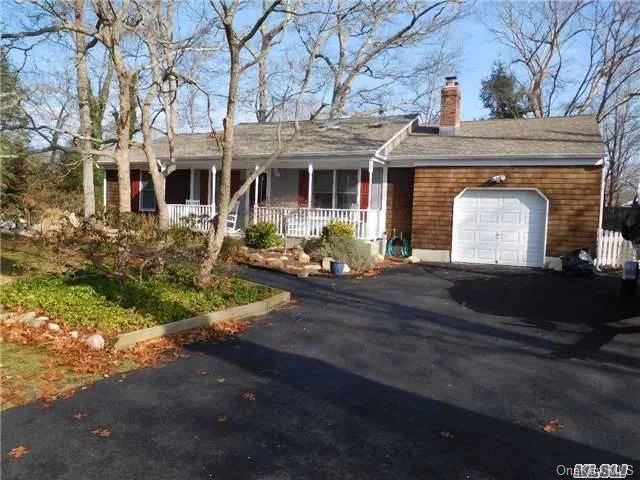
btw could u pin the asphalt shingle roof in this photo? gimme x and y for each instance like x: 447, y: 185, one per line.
x: 255, y: 139
x: 552, y: 135
x: 547, y: 136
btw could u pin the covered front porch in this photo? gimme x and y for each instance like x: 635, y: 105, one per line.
x: 300, y: 202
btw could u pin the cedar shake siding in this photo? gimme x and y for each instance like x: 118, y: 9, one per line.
x: 573, y: 193
x: 399, y: 201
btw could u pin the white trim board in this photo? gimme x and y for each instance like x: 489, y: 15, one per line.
x: 495, y: 161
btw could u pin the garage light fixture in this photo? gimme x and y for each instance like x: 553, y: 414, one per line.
x: 498, y: 179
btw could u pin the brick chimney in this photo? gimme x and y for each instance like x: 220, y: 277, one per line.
x: 450, y: 106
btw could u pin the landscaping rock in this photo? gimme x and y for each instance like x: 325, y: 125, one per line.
x: 25, y: 317
x: 274, y: 263
x: 312, y: 268
x: 284, y: 258
x: 243, y: 251
x: 303, y: 258
x: 36, y: 322
x: 304, y: 273
x: 255, y: 258
x: 95, y: 342
x: 53, y: 327
x: 326, y: 263
x: 378, y: 258
x: 74, y: 334
x: 411, y: 259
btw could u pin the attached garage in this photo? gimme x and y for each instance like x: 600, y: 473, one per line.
x: 500, y: 226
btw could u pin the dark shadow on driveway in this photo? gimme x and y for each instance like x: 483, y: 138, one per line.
x: 426, y: 438
x: 526, y: 298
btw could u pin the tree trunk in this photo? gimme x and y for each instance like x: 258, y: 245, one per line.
x: 123, y: 131
x: 157, y: 178
x: 217, y: 234
x: 82, y: 87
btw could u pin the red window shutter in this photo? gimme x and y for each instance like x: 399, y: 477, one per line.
x: 135, y: 190
x: 204, y: 187
x: 303, y: 188
x: 364, y: 188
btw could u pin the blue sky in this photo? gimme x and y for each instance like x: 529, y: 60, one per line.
x: 477, y: 46
x: 479, y: 50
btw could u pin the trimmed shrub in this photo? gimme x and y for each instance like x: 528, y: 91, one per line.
x: 262, y: 235
x: 338, y: 229
x: 355, y: 253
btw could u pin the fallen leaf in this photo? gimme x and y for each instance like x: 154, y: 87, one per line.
x: 222, y: 419
x: 101, y: 432
x: 80, y: 415
x: 19, y: 452
x: 220, y: 380
x: 201, y: 372
x: 447, y: 435
x: 552, y: 426
x: 249, y: 396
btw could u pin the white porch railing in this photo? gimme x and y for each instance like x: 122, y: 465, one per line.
x: 309, y: 222
x: 195, y: 216
x: 613, y: 250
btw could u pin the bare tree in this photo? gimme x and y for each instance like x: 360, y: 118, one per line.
x: 368, y: 36
x: 613, y: 63
x: 84, y: 108
x: 536, y: 32
x: 268, y: 36
x: 236, y: 42
x: 622, y: 132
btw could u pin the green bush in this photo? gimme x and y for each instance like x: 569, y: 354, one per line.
x: 338, y: 229
x: 262, y: 235
x: 355, y: 253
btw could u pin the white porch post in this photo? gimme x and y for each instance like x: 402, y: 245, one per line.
x: 370, y: 184
x: 255, y: 196
x: 212, y: 198
x: 307, y: 224
x: 191, y: 184
x: 383, y: 205
x: 310, y: 189
x: 104, y: 191
x: 268, y: 172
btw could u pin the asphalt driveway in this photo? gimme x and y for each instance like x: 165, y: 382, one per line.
x: 423, y: 372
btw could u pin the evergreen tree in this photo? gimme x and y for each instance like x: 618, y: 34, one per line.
x: 502, y: 95
x: 14, y: 139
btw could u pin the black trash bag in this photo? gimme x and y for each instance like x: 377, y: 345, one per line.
x: 630, y: 227
x: 578, y: 262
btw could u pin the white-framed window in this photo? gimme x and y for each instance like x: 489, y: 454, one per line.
x: 147, y: 195
x: 335, y: 189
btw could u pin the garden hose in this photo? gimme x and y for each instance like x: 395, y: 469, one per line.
x: 392, y: 244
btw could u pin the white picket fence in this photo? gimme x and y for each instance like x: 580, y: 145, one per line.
x: 309, y: 222
x: 613, y: 250
x: 195, y: 216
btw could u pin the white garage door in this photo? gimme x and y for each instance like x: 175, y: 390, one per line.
x: 499, y: 226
